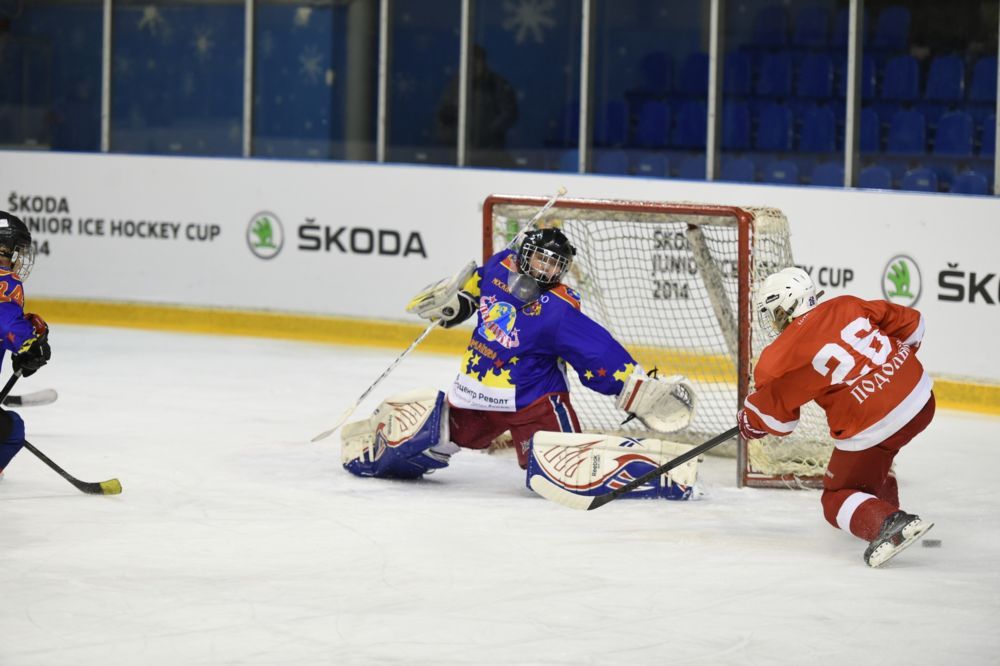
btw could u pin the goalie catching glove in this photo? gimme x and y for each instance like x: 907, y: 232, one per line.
x: 444, y: 300
x: 665, y: 405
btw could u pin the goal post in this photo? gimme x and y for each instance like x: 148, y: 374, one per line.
x: 674, y: 283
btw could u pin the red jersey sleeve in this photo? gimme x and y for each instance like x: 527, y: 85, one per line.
x: 897, y: 321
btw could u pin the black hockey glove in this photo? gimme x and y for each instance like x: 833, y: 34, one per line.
x: 35, y: 352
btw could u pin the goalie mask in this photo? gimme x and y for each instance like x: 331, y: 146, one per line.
x: 783, y: 296
x: 16, y: 249
x: 545, y: 256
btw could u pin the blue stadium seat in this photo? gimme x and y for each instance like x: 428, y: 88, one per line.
x: 737, y: 74
x: 657, y: 69
x: 989, y: 140
x: 693, y: 79
x: 737, y: 169
x: 971, y: 182
x: 828, y: 173
x: 819, y: 131
x: 907, y: 133
x: 611, y: 124
x: 653, y: 126
x: 812, y: 27
x: 954, y: 134
x: 775, y: 79
x: 867, y: 78
x: 840, y: 32
x: 945, y: 79
x: 774, y: 128
x: 875, y: 177
x: 566, y: 130
x: 653, y: 165
x: 901, y: 79
x: 569, y: 161
x: 692, y: 168
x: 770, y: 27
x: 690, y: 126
x: 871, y: 131
x: 613, y: 161
x: 920, y: 179
x: 781, y: 171
x: 735, y: 126
x: 984, y: 80
x: 815, y: 76
x: 892, y: 30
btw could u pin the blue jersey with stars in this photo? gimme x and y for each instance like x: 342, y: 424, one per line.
x: 517, y: 351
x: 14, y: 328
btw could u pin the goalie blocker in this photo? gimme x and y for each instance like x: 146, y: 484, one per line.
x: 597, y: 464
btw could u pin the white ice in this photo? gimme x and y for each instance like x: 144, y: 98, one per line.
x: 237, y: 542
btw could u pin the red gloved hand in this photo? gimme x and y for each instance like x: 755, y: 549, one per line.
x: 37, y: 323
x: 747, y: 431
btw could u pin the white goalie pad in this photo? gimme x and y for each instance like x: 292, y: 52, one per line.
x: 439, y: 300
x: 398, y: 419
x: 665, y: 405
x: 595, y: 464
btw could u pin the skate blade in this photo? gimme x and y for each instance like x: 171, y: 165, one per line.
x: 887, y: 551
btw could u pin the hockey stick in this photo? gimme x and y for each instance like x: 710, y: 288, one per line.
x: 109, y: 487
x: 350, y: 410
x: 34, y: 399
x: 551, y: 491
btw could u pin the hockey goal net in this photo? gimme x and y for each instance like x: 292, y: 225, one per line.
x: 673, y: 282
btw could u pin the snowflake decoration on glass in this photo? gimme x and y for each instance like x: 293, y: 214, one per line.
x: 311, y: 60
x: 302, y: 16
x: 151, y: 18
x: 202, y: 42
x: 529, y: 16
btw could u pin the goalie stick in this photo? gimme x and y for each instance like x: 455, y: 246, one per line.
x: 350, y: 410
x: 34, y: 399
x: 109, y: 487
x: 551, y: 491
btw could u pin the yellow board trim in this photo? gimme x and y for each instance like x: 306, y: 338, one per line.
x: 966, y: 395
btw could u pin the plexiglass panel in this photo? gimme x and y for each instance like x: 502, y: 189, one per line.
x: 50, y: 75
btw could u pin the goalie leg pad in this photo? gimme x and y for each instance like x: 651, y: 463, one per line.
x: 405, y: 438
x: 589, y: 465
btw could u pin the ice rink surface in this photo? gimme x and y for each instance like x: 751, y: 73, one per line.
x: 238, y: 542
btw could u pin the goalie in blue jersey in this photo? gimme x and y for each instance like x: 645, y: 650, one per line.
x: 512, y: 377
x: 26, y: 336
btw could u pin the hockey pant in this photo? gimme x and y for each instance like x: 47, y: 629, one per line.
x: 11, y: 436
x: 475, y: 429
x: 859, y: 491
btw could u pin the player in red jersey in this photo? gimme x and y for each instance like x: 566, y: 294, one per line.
x: 857, y: 360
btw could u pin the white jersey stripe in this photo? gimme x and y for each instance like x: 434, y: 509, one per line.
x: 848, y: 508
x: 771, y: 422
x: 892, y: 422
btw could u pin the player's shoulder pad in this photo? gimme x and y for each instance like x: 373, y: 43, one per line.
x: 506, y: 259
x: 568, y: 294
x: 11, y: 289
x: 9, y: 277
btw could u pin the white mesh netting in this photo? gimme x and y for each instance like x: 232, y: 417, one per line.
x: 663, y: 279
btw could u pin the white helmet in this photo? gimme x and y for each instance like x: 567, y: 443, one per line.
x: 785, y: 295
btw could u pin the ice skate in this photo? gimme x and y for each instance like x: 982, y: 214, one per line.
x: 899, y: 531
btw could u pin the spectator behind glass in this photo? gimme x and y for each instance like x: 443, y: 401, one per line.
x: 492, y: 111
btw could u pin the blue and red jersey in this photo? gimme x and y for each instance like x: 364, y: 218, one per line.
x: 519, y: 350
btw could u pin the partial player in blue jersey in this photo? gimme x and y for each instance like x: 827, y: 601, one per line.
x: 529, y: 328
x: 24, y: 335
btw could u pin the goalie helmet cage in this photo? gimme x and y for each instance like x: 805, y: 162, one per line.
x: 673, y: 282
